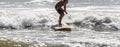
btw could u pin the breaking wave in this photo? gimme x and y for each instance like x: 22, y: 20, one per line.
x: 23, y: 19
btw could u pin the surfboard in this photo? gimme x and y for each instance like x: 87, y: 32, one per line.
x: 62, y: 28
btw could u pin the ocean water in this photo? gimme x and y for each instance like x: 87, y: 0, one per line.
x: 95, y: 23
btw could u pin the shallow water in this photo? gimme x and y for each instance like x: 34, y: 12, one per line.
x: 33, y: 26
x: 94, y: 23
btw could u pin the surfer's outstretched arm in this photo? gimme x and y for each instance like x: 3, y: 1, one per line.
x: 65, y: 9
x: 65, y: 3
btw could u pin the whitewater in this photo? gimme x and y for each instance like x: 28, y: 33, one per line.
x: 95, y: 23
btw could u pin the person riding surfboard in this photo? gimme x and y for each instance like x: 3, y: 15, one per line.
x: 61, y: 10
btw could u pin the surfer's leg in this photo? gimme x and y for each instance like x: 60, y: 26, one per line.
x: 60, y: 19
x: 61, y: 12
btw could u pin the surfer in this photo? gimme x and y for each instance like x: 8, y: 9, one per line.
x: 61, y: 10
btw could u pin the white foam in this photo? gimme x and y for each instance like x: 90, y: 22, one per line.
x: 2, y: 2
x: 42, y: 0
